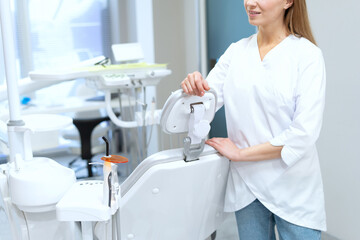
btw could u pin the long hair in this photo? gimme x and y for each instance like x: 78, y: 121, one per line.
x: 297, y: 20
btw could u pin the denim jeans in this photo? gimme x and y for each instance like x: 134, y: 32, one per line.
x: 256, y: 222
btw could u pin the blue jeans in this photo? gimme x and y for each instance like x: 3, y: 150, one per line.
x: 256, y: 222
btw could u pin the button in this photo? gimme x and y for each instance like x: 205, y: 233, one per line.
x: 155, y: 191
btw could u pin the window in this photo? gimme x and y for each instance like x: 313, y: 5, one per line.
x: 63, y: 32
x: 58, y: 33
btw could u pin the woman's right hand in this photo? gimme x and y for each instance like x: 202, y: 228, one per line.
x: 195, y: 84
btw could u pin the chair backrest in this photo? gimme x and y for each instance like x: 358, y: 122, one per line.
x: 168, y: 198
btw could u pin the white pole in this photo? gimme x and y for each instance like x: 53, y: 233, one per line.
x: 19, y: 140
x: 203, y: 38
x: 10, y: 60
x: 145, y: 36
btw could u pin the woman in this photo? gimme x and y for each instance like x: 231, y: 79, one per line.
x: 272, y: 85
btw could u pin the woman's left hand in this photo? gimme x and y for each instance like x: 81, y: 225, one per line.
x: 226, y: 148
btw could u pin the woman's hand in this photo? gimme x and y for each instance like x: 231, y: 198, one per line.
x: 226, y: 148
x: 260, y: 152
x: 195, y: 84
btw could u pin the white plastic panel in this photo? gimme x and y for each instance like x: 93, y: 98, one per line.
x: 39, y: 184
x: 45, y: 129
x: 83, y: 202
x: 176, y: 200
x: 176, y: 111
x: 127, y: 52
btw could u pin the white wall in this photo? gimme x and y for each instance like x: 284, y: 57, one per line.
x: 335, y: 25
x: 176, y: 43
x: 336, y: 28
x: 175, y: 34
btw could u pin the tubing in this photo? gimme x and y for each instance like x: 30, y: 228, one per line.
x: 113, y: 117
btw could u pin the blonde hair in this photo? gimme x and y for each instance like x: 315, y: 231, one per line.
x: 297, y: 20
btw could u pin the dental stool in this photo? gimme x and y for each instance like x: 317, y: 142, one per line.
x: 85, y: 126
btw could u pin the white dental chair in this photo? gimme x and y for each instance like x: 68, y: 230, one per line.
x: 175, y: 194
x: 174, y: 199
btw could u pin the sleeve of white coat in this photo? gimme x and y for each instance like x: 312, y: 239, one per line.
x: 305, y: 127
x: 218, y: 75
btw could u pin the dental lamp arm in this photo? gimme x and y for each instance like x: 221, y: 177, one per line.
x: 26, y: 85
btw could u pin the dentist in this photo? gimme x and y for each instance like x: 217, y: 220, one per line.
x: 272, y: 85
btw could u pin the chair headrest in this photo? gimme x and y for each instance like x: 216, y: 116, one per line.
x: 176, y: 111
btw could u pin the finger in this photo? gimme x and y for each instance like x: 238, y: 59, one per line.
x: 216, y: 146
x: 184, y: 88
x: 206, y: 85
x: 212, y: 143
x: 199, y: 84
x: 188, y: 85
x: 191, y: 78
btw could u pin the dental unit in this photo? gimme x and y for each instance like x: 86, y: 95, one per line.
x: 110, y: 79
x: 127, y: 81
x: 172, y: 194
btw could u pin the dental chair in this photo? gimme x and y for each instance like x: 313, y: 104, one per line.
x: 175, y: 194
x: 174, y: 199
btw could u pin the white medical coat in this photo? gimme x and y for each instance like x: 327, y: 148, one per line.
x: 278, y: 100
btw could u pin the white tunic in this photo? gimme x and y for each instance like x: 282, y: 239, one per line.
x: 278, y: 100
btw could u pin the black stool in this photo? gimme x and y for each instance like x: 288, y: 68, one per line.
x: 85, y: 127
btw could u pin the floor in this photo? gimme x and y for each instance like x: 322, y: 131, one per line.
x: 227, y: 231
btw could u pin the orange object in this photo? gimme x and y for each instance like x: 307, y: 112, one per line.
x: 115, y: 159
